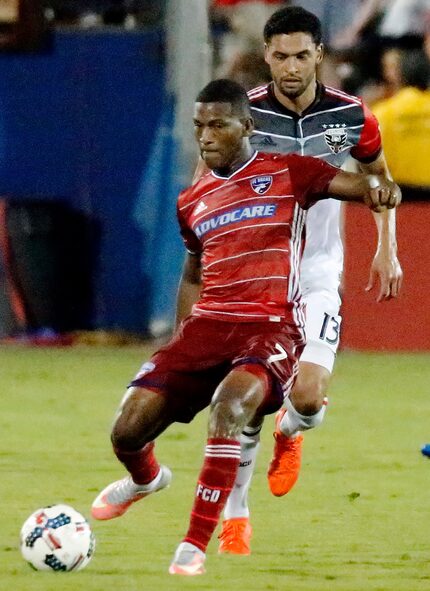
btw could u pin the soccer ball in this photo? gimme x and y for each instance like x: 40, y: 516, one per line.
x: 57, y: 538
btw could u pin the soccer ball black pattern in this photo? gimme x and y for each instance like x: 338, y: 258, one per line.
x: 58, y: 539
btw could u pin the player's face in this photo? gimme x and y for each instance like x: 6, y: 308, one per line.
x: 219, y: 133
x: 293, y: 60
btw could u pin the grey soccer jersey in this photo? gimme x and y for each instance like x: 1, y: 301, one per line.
x: 335, y: 126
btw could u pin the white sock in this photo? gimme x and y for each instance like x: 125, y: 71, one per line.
x: 293, y: 422
x: 237, y: 502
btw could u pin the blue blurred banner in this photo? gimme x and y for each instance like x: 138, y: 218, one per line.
x: 88, y: 123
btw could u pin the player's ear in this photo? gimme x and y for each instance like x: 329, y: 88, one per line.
x: 266, y: 53
x: 248, y: 126
x: 320, y: 53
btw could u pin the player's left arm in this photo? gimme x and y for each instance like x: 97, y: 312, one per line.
x: 385, y: 265
x: 371, y: 160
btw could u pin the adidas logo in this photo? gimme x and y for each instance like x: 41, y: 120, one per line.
x: 267, y: 141
x: 200, y: 207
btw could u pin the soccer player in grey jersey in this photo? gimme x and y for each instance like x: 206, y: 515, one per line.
x: 296, y: 113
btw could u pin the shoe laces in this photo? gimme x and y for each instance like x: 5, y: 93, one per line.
x: 187, y: 555
x: 232, y: 531
x: 123, y: 491
x: 289, y: 446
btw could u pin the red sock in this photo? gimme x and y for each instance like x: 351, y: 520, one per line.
x: 142, y: 464
x: 215, y: 482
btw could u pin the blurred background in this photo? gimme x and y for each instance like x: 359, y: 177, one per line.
x: 96, y: 141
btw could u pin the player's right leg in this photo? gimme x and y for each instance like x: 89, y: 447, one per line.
x: 141, y: 418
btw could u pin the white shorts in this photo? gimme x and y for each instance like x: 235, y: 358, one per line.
x: 322, y: 328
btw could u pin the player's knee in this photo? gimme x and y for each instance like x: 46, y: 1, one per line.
x: 234, y: 404
x: 126, y: 436
x: 308, y: 393
x: 227, y: 418
x: 131, y: 429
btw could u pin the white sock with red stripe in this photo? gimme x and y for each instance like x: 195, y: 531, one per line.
x: 215, y: 482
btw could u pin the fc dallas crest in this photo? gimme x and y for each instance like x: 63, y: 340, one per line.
x: 261, y: 184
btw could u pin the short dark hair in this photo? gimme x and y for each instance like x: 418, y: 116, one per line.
x: 224, y: 90
x: 415, y: 68
x: 293, y: 19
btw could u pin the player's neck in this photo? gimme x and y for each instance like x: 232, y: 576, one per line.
x: 245, y: 154
x: 300, y: 103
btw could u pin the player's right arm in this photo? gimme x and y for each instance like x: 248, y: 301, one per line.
x: 189, y: 287
x: 313, y: 179
x: 376, y: 191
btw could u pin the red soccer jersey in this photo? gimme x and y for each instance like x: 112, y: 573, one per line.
x: 248, y: 228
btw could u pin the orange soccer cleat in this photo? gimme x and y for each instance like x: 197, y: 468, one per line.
x: 235, y: 536
x: 284, y: 467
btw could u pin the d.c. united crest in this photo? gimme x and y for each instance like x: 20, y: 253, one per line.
x: 335, y: 136
x: 261, y: 184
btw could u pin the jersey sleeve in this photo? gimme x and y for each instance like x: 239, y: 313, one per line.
x: 310, y: 178
x: 192, y: 243
x: 369, y: 145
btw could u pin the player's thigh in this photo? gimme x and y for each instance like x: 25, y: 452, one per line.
x: 323, y: 324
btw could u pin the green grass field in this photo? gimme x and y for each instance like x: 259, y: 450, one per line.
x: 357, y: 520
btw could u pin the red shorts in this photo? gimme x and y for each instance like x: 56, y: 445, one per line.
x: 189, y: 368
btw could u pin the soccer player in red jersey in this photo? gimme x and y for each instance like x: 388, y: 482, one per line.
x: 237, y: 349
x: 296, y: 113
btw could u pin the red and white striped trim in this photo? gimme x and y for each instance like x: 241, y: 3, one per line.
x: 264, y: 317
x: 248, y: 253
x: 249, y: 280
x: 343, y: 95
x: 223, y: 451
x: 244, y: 228
x: 258, y: 92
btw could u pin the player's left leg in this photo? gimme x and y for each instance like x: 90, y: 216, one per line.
x: 233, y: 406
x: 236, y: 531
x: 305, y: 407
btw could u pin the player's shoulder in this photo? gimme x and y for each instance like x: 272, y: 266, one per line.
x: 275, y: 162
x: 340, y: 97
x: 194, y: 192
x: 258, y: 94
x: 273, y: 158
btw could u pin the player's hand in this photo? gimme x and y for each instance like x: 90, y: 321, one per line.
x: 382, y: 193
x: 386, y: 268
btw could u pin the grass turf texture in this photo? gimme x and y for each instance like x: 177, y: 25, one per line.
x: 357, y: 520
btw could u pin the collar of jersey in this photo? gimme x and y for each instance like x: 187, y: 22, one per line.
x: 319, y: 93
x: 244, y: 165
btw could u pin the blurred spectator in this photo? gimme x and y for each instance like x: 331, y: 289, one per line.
x: 405, y: 123
x: 240, y: 40
x: 335, y: 16
x: 93, y: 13
x: 368, y: 45
x: 385, y: 19
x: 390, y: 78
x: 249, y: 69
